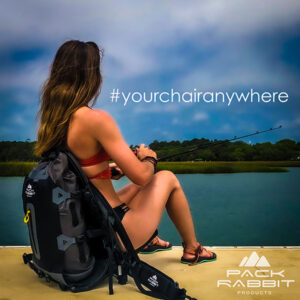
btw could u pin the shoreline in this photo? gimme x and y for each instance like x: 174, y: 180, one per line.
x: 13, y: 169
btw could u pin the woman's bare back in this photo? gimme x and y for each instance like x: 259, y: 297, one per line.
x: 83, y: 146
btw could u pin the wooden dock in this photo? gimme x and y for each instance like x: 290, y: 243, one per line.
x: 232, y: 276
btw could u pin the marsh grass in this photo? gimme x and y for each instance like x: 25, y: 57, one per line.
x: 16, y: 168
x: 210, y: 167
x: 225, y: 167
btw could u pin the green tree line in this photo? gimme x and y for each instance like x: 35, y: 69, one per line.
x: 285, y: 149
x: 17, y: 151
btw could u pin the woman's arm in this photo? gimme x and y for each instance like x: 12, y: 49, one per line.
x: 105, y: 130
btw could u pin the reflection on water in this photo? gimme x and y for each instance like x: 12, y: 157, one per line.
x: 228, y: 209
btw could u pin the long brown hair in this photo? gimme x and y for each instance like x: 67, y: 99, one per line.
x: 74, y: 81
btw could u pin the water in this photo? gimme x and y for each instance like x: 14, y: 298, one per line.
x: 228, y: 209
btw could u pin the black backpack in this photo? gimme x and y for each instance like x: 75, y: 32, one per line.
x: 72, y: 230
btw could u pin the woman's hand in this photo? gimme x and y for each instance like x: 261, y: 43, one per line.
x: 144, y: 151
x: 115, y: 169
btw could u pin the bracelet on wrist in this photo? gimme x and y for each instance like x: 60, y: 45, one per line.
x: 151, y: 159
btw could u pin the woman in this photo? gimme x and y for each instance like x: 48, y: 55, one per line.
x: 66, y: 119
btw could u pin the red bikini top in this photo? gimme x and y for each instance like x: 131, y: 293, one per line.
x: 101, y: 156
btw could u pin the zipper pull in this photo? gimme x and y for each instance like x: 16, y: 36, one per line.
x: 26, y: 218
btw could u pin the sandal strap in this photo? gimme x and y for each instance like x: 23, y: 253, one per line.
x: 155, y: 241
x: 192, y: 251
x: 195, y: 252
x: 197, y: 255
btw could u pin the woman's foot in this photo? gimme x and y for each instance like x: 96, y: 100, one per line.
x: 156, y: 245
x: 196, y: 255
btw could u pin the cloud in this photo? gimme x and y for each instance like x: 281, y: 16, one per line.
x: 289, y: 124
x: 175, y: 121
x: 237, y: 67
x: 131, y: 33
x: 30, y: 76
x: 200, y: 116
x: 225, y: 128
x: 18, y: 120
x: 182, y: 120
x: 155, y: 108
x: 201, y: 44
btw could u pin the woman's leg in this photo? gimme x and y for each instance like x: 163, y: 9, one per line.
x: 147, y: 207
x: 126, y: 194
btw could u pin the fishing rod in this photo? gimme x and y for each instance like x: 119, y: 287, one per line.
x: 201, y: 146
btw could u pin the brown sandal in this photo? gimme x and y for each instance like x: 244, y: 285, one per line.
x: 197, y: 259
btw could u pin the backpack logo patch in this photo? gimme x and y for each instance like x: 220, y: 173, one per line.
x: 29, y: 192
x: 153, y: 281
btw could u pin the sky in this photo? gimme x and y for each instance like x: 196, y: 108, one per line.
x: 155, y: 46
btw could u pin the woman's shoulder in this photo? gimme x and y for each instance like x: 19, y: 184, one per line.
x: 93, y: 116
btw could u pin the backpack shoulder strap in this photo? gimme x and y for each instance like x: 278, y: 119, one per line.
x: 74, y: 162
x: 117, y: 225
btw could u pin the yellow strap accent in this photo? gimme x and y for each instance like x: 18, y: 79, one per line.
x: 26, y: 218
